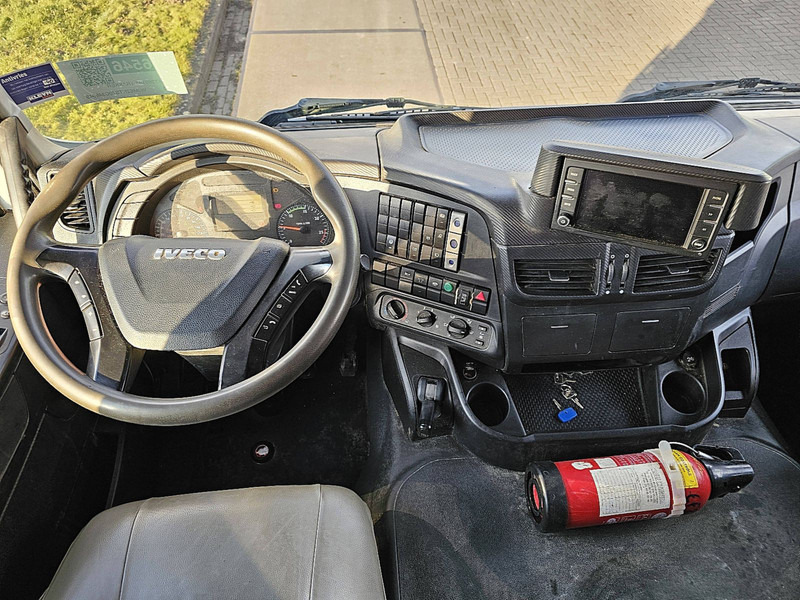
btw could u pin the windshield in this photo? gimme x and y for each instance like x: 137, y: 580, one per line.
x: 245, y: 59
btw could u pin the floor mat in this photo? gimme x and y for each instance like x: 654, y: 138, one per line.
x: 317, y: 428
x: 462, y: 531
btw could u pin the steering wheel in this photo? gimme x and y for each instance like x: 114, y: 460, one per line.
x: 142, y: 293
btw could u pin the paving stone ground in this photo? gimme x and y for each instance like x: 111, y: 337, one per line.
x: 497, y: 52
x: 220, y: 92
x: 574, y: 51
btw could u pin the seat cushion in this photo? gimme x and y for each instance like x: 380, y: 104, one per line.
x: 293, y: 542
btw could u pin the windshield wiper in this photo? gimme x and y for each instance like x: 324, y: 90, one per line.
x: 320, y: 106
x: 718, y: 88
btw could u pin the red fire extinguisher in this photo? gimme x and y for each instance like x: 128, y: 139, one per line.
x: 667, y: 481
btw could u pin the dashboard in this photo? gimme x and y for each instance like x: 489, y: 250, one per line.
x: 618, y: 233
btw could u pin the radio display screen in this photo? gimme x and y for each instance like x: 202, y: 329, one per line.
x: 636, y: 207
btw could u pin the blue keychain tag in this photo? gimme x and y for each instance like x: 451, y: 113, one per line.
x: 567, y: 414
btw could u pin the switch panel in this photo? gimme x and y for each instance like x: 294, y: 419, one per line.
x: 435, y: 320
x: 420, y: 232
x: 431, y: 287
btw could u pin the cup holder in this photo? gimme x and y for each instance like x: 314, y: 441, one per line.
x: 683, y: 392
x: 489, y: 403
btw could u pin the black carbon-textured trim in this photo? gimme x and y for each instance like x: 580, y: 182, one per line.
x: 545, y: 175
x: 514, y: 145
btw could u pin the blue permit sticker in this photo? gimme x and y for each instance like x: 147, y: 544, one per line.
x: 31, y: 86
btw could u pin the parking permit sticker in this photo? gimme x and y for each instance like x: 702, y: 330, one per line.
x: 31, y: 86
x: 123, y: 76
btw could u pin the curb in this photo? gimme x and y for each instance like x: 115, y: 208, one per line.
x: 203, y: 60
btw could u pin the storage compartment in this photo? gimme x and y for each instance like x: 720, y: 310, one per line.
x: 737, y: 351
x: 489, y: 403
x: 604, y: 400
x: 624, y: 409
x: 648, y: 329
x: 558, y: 335
x: 684, y: 393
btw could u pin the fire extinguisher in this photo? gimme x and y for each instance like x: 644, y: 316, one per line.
x: 668, y: 481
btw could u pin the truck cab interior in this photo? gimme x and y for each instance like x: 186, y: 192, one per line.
x: 314, y: 360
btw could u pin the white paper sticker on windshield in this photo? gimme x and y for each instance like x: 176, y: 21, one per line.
x: 123, y: 76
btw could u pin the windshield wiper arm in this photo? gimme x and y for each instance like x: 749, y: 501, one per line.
x: 319, y: 106
x: 749, y: 86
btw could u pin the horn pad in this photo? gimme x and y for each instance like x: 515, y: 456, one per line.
x: 186, y: 294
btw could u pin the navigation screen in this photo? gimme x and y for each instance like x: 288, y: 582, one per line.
x: 648, y: 209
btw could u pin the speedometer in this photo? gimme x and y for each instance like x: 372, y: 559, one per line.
x: 304, y: 224
x: 177, y: 222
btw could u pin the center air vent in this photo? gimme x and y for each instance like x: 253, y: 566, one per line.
x: 665, y: 272
x: 557, y: 277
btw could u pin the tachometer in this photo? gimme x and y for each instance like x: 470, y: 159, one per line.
x: 304, y: 224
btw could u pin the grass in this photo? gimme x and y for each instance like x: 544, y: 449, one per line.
x: 37, y: 31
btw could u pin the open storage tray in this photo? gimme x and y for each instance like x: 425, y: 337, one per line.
x: 510, y: 419
x: 611, y: 399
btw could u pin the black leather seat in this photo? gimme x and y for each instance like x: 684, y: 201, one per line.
x: 287, y: 543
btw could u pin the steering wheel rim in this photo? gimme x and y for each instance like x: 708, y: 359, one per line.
x: 34, y: 237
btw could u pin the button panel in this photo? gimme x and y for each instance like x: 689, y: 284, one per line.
x: 420, y: 232
x: 570, y: 189
x: 281, y: 308
x: 84, y: 298
x: 438, y: 289
x: 709, y: 215
x: 438, y: 321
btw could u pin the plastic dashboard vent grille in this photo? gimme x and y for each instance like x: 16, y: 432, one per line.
x: 557, y: 277
x: 664, y: 272
x: 76, y: 215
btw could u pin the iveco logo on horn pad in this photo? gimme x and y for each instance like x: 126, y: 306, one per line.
x: 189, y: 253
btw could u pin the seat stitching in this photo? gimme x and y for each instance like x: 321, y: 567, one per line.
x: 316, y: 538
x: 128, y: 547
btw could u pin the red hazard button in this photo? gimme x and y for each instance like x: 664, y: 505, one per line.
x: 480, y: 301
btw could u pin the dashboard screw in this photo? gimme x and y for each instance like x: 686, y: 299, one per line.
x: 263, y: 452
x: 688, y: 360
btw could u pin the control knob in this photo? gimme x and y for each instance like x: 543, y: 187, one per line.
x: 458, y: 328
x: 395, y: 309
x: 426, y: 318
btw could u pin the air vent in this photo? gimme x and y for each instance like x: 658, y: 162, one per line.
x: 76, y: 215
x: 666, y: 272
x: 557, y: 277
x: 31, y: 185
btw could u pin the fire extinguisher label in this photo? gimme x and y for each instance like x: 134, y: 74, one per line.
x: 631, y: 489
x: 685, y: 467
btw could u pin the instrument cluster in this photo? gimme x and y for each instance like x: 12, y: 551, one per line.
x: 244, y: 205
